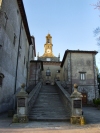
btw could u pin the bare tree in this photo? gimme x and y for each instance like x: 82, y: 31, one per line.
x: 97, y: 5
x: 97, y: 30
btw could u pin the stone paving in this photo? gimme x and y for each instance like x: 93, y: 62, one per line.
x: 92, y: 116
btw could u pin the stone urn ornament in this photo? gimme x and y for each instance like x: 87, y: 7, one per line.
x: 76, y: 98
x: 22, y: 105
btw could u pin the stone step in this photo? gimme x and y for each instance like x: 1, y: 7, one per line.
x: 48, y: 106
x: 49, y: 119
x: 48, y: 111
x: 48, y: 114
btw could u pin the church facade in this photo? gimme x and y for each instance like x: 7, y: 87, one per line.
x: 51, y: 63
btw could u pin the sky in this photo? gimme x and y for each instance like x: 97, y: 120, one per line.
x: 70, y: 22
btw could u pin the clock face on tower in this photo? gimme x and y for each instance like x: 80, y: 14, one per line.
x: 48, y: 50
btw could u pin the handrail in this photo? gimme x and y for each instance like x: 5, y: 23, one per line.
x: 33, y: 96
x: 64, y: 95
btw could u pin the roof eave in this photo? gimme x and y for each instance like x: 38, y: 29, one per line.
x: 24, y: 19
x: 75, y: 51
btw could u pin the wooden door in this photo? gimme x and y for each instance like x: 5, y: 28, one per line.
x: 84, y: 98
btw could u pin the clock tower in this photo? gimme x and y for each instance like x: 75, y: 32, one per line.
x: 51, y: 63
x: 48, y: 47
x: 48, y: 51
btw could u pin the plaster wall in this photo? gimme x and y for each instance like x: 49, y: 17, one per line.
x: 76, y: 63
x: 82, y: 62
x: 85, y: 62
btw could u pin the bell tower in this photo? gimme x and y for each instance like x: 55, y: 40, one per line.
x: 48, y: 47
x: 48, y: 51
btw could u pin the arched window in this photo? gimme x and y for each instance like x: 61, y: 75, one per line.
x: 48, y: 40
x: 1, y: 78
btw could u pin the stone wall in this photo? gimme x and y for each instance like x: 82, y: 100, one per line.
x: 66, y: 69
x: 66, y: 74
x: 85, y: 62
x: 33, y: 95
x: 35, y: 72
x: 90, y: 91
x: 76, y: 63
x: 82, y: 63
x: 10, y: 23
x: 64, y: 96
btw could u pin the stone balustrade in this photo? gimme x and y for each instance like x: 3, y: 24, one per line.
x: 33, y: 95
x: 25, y: 102
x: 65, y: 96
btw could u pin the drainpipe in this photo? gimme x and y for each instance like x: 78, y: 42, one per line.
x: 17, y: 57
x: 35, y: 73
x: 28, y: 63
x: 94, y: 75
x: 71, y: 71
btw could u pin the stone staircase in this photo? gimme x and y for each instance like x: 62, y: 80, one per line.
x: 48, y: 106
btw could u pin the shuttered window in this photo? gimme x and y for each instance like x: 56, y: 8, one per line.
x: 82, y: 76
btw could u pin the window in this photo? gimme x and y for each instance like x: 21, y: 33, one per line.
x: 1, y: 81
x: 82, y: 76
x: 48, y: 40
x: 58, y: 71
x: 48, y: 59
x: 48, y: 73
x: 6, y: 18
x: 1, y: 78
x: 19, y: 53
x: 17, y: 11
x: 24, y: 60
x: 14, y: 40
x: 27, y: 64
